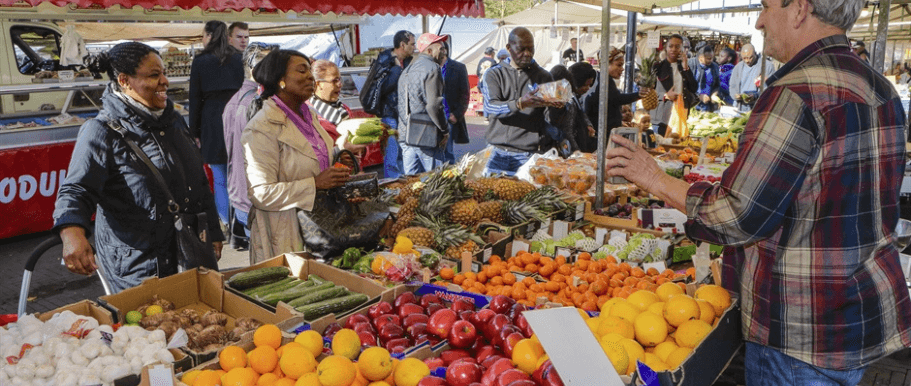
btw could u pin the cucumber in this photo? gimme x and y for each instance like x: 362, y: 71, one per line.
x: 293, y: 284
x: 258, y: 277
x: 317, y: 279
x: 325, y: 307
x: 267, y: 287
x: 297, y: 291
x: 318, y: 296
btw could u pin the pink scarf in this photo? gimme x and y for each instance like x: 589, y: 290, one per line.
x: 305, y: 125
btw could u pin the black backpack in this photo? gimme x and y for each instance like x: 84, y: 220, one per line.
x: 370, y: 93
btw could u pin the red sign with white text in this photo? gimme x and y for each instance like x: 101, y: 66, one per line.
x: 29, y: 181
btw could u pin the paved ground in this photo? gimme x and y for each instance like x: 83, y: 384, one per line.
x: 53, y: 286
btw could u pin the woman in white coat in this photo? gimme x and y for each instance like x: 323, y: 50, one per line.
x: 287, y: 155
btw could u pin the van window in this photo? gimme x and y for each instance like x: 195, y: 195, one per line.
x: 37, y: 49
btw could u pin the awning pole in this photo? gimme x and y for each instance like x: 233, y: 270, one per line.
x: 882, y: 30
x: 602, y: 104
x: 631, y: 48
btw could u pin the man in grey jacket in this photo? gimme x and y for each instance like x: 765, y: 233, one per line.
x: 745, y: 76
x: 424, y: 130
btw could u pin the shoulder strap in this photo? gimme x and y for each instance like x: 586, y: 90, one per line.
x: 173, y: 207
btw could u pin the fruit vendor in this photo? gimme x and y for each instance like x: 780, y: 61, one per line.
x: 515, y: 111
x: 807, y: 210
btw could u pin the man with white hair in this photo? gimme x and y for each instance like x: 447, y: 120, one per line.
x: 808, y: 209
x: 745, y: 77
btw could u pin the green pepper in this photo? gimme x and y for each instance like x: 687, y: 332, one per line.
x: 349, y: 258
x: 363, y: 265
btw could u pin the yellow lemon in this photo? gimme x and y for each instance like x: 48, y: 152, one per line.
x: 310, y: 340
x: 410, y: 371
x: 346, y: 343
x: 375, y: 363
x: 336, y: 370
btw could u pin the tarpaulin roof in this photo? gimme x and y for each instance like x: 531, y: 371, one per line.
x: 473, y: 8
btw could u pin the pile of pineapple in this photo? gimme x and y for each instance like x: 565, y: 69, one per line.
x: 442, y: 209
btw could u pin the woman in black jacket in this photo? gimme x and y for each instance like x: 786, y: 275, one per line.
x: 215, y: 76
x: 616, y: 99
x: 134, y: 232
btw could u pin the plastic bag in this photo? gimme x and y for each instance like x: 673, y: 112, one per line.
x: 556, y: 91
x: 473, y: 165
x: 524, y: 172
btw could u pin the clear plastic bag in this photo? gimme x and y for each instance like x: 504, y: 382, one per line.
x: 556, y: 91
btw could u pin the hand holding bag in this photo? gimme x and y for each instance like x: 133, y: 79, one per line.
x: 193, y: 246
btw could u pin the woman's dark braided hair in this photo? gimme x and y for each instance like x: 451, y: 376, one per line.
x: 269, y: 73
x: 218, y: 43
x: 123, y: 58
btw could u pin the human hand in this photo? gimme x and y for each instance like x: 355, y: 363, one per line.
x: 671, y: 95
x: 633, y: 163
x: 345, y: 158
x: 705, y: 98
x: 531, y: 100
x: 452, y: 119
x: 358, y: 150
x: 77, y: 252
x: 591, y: 132
x: 331, y: 178
x: 643, y: 92
x: 217, y: 245
x: 442, y: 143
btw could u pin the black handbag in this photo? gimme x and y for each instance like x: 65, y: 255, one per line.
x: 344, y: 217
x: 193, y: 246
x: 420, y: 130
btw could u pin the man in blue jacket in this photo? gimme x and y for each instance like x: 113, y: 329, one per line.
x: 396, y: 58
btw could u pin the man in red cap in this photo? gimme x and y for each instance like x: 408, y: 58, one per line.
x: 422, y: 121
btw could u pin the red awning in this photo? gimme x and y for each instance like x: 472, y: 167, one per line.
x: 471, y: 8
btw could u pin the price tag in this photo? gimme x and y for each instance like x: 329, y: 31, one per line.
x: 599, y: 235
x: 561, y: 229
x: 580, y: 210
x: 518, y: 246
x: 66, y: 75
x: 466, y: 262
x: 654, y: 39
x: 488, y: 252
x: 545, y: 224
x: 425, y: 275
x: 660, y: 266
x: 564, y: 252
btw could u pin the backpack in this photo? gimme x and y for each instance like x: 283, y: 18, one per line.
x: 370, y: 93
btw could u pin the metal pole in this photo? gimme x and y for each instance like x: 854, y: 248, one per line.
x: 882, y: 30
x: 602, y: 104
x: 425, y: 24
x: 630, y: 68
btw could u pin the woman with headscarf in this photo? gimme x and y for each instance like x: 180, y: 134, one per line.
x: 134, y: 231
x: 287, y: 154
x: 215, y: 76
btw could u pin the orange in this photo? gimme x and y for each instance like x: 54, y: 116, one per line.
x: 263, y: 359
x: 663, y: 349
x: 615, y: 324
x: 606, y: 307
x: 634, y: 352
x: 189, y: 377
x: 310, y: 340
x: 240, y: 376
x: 447, y: 273
x: 625, y: 310
x: 690, y: 333
x: 208, y: 378
x: 593, y: 324
x: 676, y: 357
x: 281, y: 350
x: 409, y: 372
x: 525, y: 355
x: 266, y: 379
x: 657, y: 308
x: 284, y: 382
x: 296, y: 362
x: 232, y: 357
x: 375, y: 363
x: 336, y: 370
x: 268, y: 335
x: 666, y: 290
x: 346, y: 343
x: 679, y: 309
x: 706, y: 311
x: 642, y: 299
x: 458, y: 279
x: 651, y: 329
x: 655, y: 363
x: 617, y: 355
x: 717, y: 296
x: 309, y: 379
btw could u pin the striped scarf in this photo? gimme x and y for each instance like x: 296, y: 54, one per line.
x: 332, y: 112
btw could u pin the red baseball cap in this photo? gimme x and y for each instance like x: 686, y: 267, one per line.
x: 427, y: 39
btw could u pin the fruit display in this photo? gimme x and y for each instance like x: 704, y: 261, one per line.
x: 706, y: 124
x: 363, y: 130
x: 70, y: 350
x: 641, y: 248
x: 576, y: 174
x: 314, y: 297
x: 710, y: 173
x: 625, y: 211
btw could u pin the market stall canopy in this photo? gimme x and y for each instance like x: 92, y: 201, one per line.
x: 474, y: 8
x: 181, y: 33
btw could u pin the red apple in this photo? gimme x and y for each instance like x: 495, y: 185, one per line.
x: 462, y: 373
x: 478, y: 343
x: 480, y: 318
x: 441, y: 322
x: 433, y: 363
x: 493, y: 327
x: 511, y: 375
x: 391, y: 331
x: 378, y: 309
x: 451, y: 355
x: 430, y: 298
x: 510, y: 342
x: 515, y: 311
x: 353, y: 320
x: 416, y: 329
x: 410, y: 320
x: 432, y: 308
x: 419, y: 339
x: 331, y: 329
x: 550, y: 376
x: 364, y: 327
x: 489, y: 361
x: 501, y: 304
x: 397, y: 345
x: 462, y: 334
x: 367, y: 339
x: 409, y: 309
x: 462, y: 305
x: 523, y: 382
x: 466, y: 315
x: 523, y: 325
x: 484, y: 352
x: 383, y: 320
x: 494, y: 370
x: 504, y: 332
x: 433, y: 339
x: 432, y: 381
x: 407, y: 297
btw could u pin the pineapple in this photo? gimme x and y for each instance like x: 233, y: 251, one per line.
x: 404, y: 220
x: 546, y: 199
x: 491, y: 211
x: 409, y: 206
x: 455, y: 252
x: 648, y: 79
x: 512, y: 190
x: 517, y: 212
x: 465, y: 212
x: 482, y: 191
x: 419, y: 236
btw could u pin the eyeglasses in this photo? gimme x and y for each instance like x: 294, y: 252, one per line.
x: 336, y: 80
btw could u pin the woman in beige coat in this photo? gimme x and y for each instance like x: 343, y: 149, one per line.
x: 287, y: 155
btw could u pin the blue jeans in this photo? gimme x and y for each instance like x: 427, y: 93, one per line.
x: 242, y: 217
x: 766, y: 366
x: 393, y: 165
x: 220, y: 187
x: 421, y: 159
x: 448, y: 155
x: 505, y: 162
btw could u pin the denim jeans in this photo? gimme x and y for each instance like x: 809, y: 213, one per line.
x: 242, y: 218
x: 393, y: 166
x: 765, y: 366
x: 505, y: 162
x: 421, y: 159
x: 448, y: 155
x: 220, y: 187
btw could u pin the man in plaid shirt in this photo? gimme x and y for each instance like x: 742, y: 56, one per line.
x: 809, y: 206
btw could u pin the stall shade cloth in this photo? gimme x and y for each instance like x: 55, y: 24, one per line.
x: 471, y: 8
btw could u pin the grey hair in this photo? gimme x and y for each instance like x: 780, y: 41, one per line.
x: 838, y: 13
x: 320, y: 67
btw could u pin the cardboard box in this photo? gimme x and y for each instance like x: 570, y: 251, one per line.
x: 617, y: 223
x: 302, y: 266
x: 83, y: 307
x: 198, y: 289
x: 247, y: 345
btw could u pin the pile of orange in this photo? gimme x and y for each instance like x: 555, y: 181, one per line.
x: 586, y: 283
x: 271, y: 363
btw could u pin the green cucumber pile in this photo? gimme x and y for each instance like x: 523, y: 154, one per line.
x: 314, y: 297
